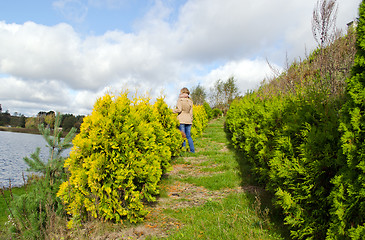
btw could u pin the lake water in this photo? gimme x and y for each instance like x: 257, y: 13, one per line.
x: 13, y: 148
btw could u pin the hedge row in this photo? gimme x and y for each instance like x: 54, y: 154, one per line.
x: 308, y: 147
x: 292, y: 144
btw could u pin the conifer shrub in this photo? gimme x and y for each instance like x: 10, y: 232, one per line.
x: 169, y: 123
x: 292, y: 144
x: 118, y: 158
x: 200, y: 121
x: 217, y: 112
x: 348, y: 200
x: 208, y: 110
x: 253, y: 122
x: 303, y: 164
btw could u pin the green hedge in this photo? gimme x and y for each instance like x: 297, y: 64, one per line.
x: 200, y: 121
x: 292, y: 143
x: 349, y: 183
x: 307, y: 145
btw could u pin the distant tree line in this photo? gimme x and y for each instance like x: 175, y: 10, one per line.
x: 18, y: 120
x: 219, y: 97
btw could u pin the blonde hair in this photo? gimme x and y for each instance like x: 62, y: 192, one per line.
x: 185, y: 90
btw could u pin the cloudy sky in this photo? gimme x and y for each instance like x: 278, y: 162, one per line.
x: 62, y: 55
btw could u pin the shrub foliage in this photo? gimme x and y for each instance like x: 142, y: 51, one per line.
x: 118, y: 158
x: 289, y: 130
x: 349, y: 200
x: 200, y: 120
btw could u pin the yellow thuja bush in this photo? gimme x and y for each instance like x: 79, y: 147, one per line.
x: 118, y: 158
x: 170, y: 123
x: 200, y: 121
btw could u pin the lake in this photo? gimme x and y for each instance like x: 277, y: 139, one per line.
x: 13, y: 148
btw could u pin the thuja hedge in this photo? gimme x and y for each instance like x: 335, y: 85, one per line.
x: 308, y: 148
x: 349, y: 198
x: 118, y: 158
x: 200, y: 121
x: 293, y: 145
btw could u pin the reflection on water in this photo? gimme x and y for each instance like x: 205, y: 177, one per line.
x: 13, y: 148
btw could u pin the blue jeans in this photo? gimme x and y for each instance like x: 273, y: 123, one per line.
x: 186, y: 128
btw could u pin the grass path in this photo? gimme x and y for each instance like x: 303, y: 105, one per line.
x: 207, y: 195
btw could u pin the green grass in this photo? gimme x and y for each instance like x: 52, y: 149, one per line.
x: 233, y: 218
x: 210, y: 147
x: 215, y: 169
x: 5, y: 199
x: 216, y: 181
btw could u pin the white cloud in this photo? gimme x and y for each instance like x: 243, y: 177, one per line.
x: 248, y: 74
x: 38, y: 52
x: 51, y: 92
x: 30, y: 97
x: 60, y: 68
x: 209, y: 29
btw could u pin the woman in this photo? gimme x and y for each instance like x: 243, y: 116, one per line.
x: 184, y: 108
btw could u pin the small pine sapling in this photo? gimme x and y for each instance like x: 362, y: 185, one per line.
x: 34, y: 211
x: 57, y: 145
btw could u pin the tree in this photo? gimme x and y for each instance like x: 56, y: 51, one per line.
x: 50, y: 119
x: 324, y: 32
x: 5, y: 118
x: 31, y: 123
x: 22, y: 121
x: 68, y: 121
x: 324, y: 22
x: 230, y: 90
x: 223, y: 93
x: 216, y: 94
x: 198, y: 95
x: 79, y: 120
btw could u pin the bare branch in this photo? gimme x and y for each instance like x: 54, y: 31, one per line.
x: 274, y: 70
x: 324, y: 22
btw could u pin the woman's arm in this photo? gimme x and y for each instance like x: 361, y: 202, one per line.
x: 178, y: 108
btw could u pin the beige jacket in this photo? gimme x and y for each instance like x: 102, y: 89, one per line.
x: 184, y: 108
